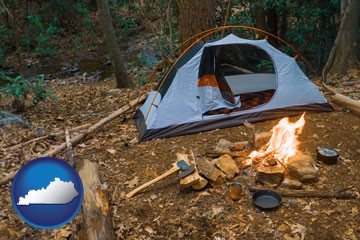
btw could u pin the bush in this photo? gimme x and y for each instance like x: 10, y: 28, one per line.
x: 19, y: 89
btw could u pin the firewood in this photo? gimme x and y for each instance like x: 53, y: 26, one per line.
x: 226, y: 164
x: 193, y: 178
x: 96, y: 126
x: 215, y: 153
x: 210, y: 172
x: 202, y: 181
x: 96, y: 211
x: 311, y: 194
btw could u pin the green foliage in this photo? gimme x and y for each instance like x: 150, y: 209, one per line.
x: 16, y: 88
x: 19, y: 89
x: 265, y: 66
x: 40, y: 91
x: 128, y: 26
x: 45, y: 37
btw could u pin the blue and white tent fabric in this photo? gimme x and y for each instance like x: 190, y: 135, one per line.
x: 197, y: 85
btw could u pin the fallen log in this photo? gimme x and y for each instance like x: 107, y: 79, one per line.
x: 311, y: 194
x: 351, y: 104
x: 96, y: 126
x: 56, y: 134
x: 96, y: 212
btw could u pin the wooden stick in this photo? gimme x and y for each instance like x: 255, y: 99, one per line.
x: 7, y: 178
x: 69, y: 147
x: 312, y: 194
x: 96, y: 210
x: 173, y: 170
x: 97, y: 126
x: 56, y: 134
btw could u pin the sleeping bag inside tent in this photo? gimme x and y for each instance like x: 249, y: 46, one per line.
x: 224, y: 83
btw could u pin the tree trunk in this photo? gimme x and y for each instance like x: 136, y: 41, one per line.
x: 195, y: 17
x: 345, y: 53
x: 260, y: 19
x: 122, y: 78
x: 272, y: 25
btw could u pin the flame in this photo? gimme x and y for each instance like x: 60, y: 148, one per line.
x: 283, y: 143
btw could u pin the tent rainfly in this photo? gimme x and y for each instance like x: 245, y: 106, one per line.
x: 225, y: 83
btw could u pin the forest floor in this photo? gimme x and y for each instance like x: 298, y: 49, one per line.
x: 164, y: 211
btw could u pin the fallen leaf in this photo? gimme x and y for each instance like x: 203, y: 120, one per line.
x: 234, y: 226
x: 217, y: 210
x: 354, y: 211
x: 297, y: 228
x: 282, y: 228
x: 133, y: 182
x: 149, y: 229
x: 328, y: 212
x: 288, y: 237
x: 111, y: 151
x: 63, y: 233
x: 349, y: 232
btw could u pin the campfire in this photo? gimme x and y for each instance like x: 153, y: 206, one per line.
x: 279, y: 161
x: 282, y: 145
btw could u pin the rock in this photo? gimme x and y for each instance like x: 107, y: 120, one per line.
x: 291, y: 183
x: 302, y: 167
x: 270, y: 175
x: 226, y: 164
x: 261, y: 139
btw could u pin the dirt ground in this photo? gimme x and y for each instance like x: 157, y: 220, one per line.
x: 164, y: 211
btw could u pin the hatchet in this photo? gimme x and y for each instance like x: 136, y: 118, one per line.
x: 184, y: 168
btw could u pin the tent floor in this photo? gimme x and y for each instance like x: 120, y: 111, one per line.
x: 248, y: 101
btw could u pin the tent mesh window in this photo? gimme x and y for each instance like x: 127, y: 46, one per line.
x: 250, y: 73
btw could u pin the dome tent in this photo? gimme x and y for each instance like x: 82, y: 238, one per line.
x: 224, y: 83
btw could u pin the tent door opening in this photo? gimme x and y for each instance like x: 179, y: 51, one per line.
x: 246, y: 72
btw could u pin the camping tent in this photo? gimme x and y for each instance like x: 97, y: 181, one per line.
x: 224, y: 83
